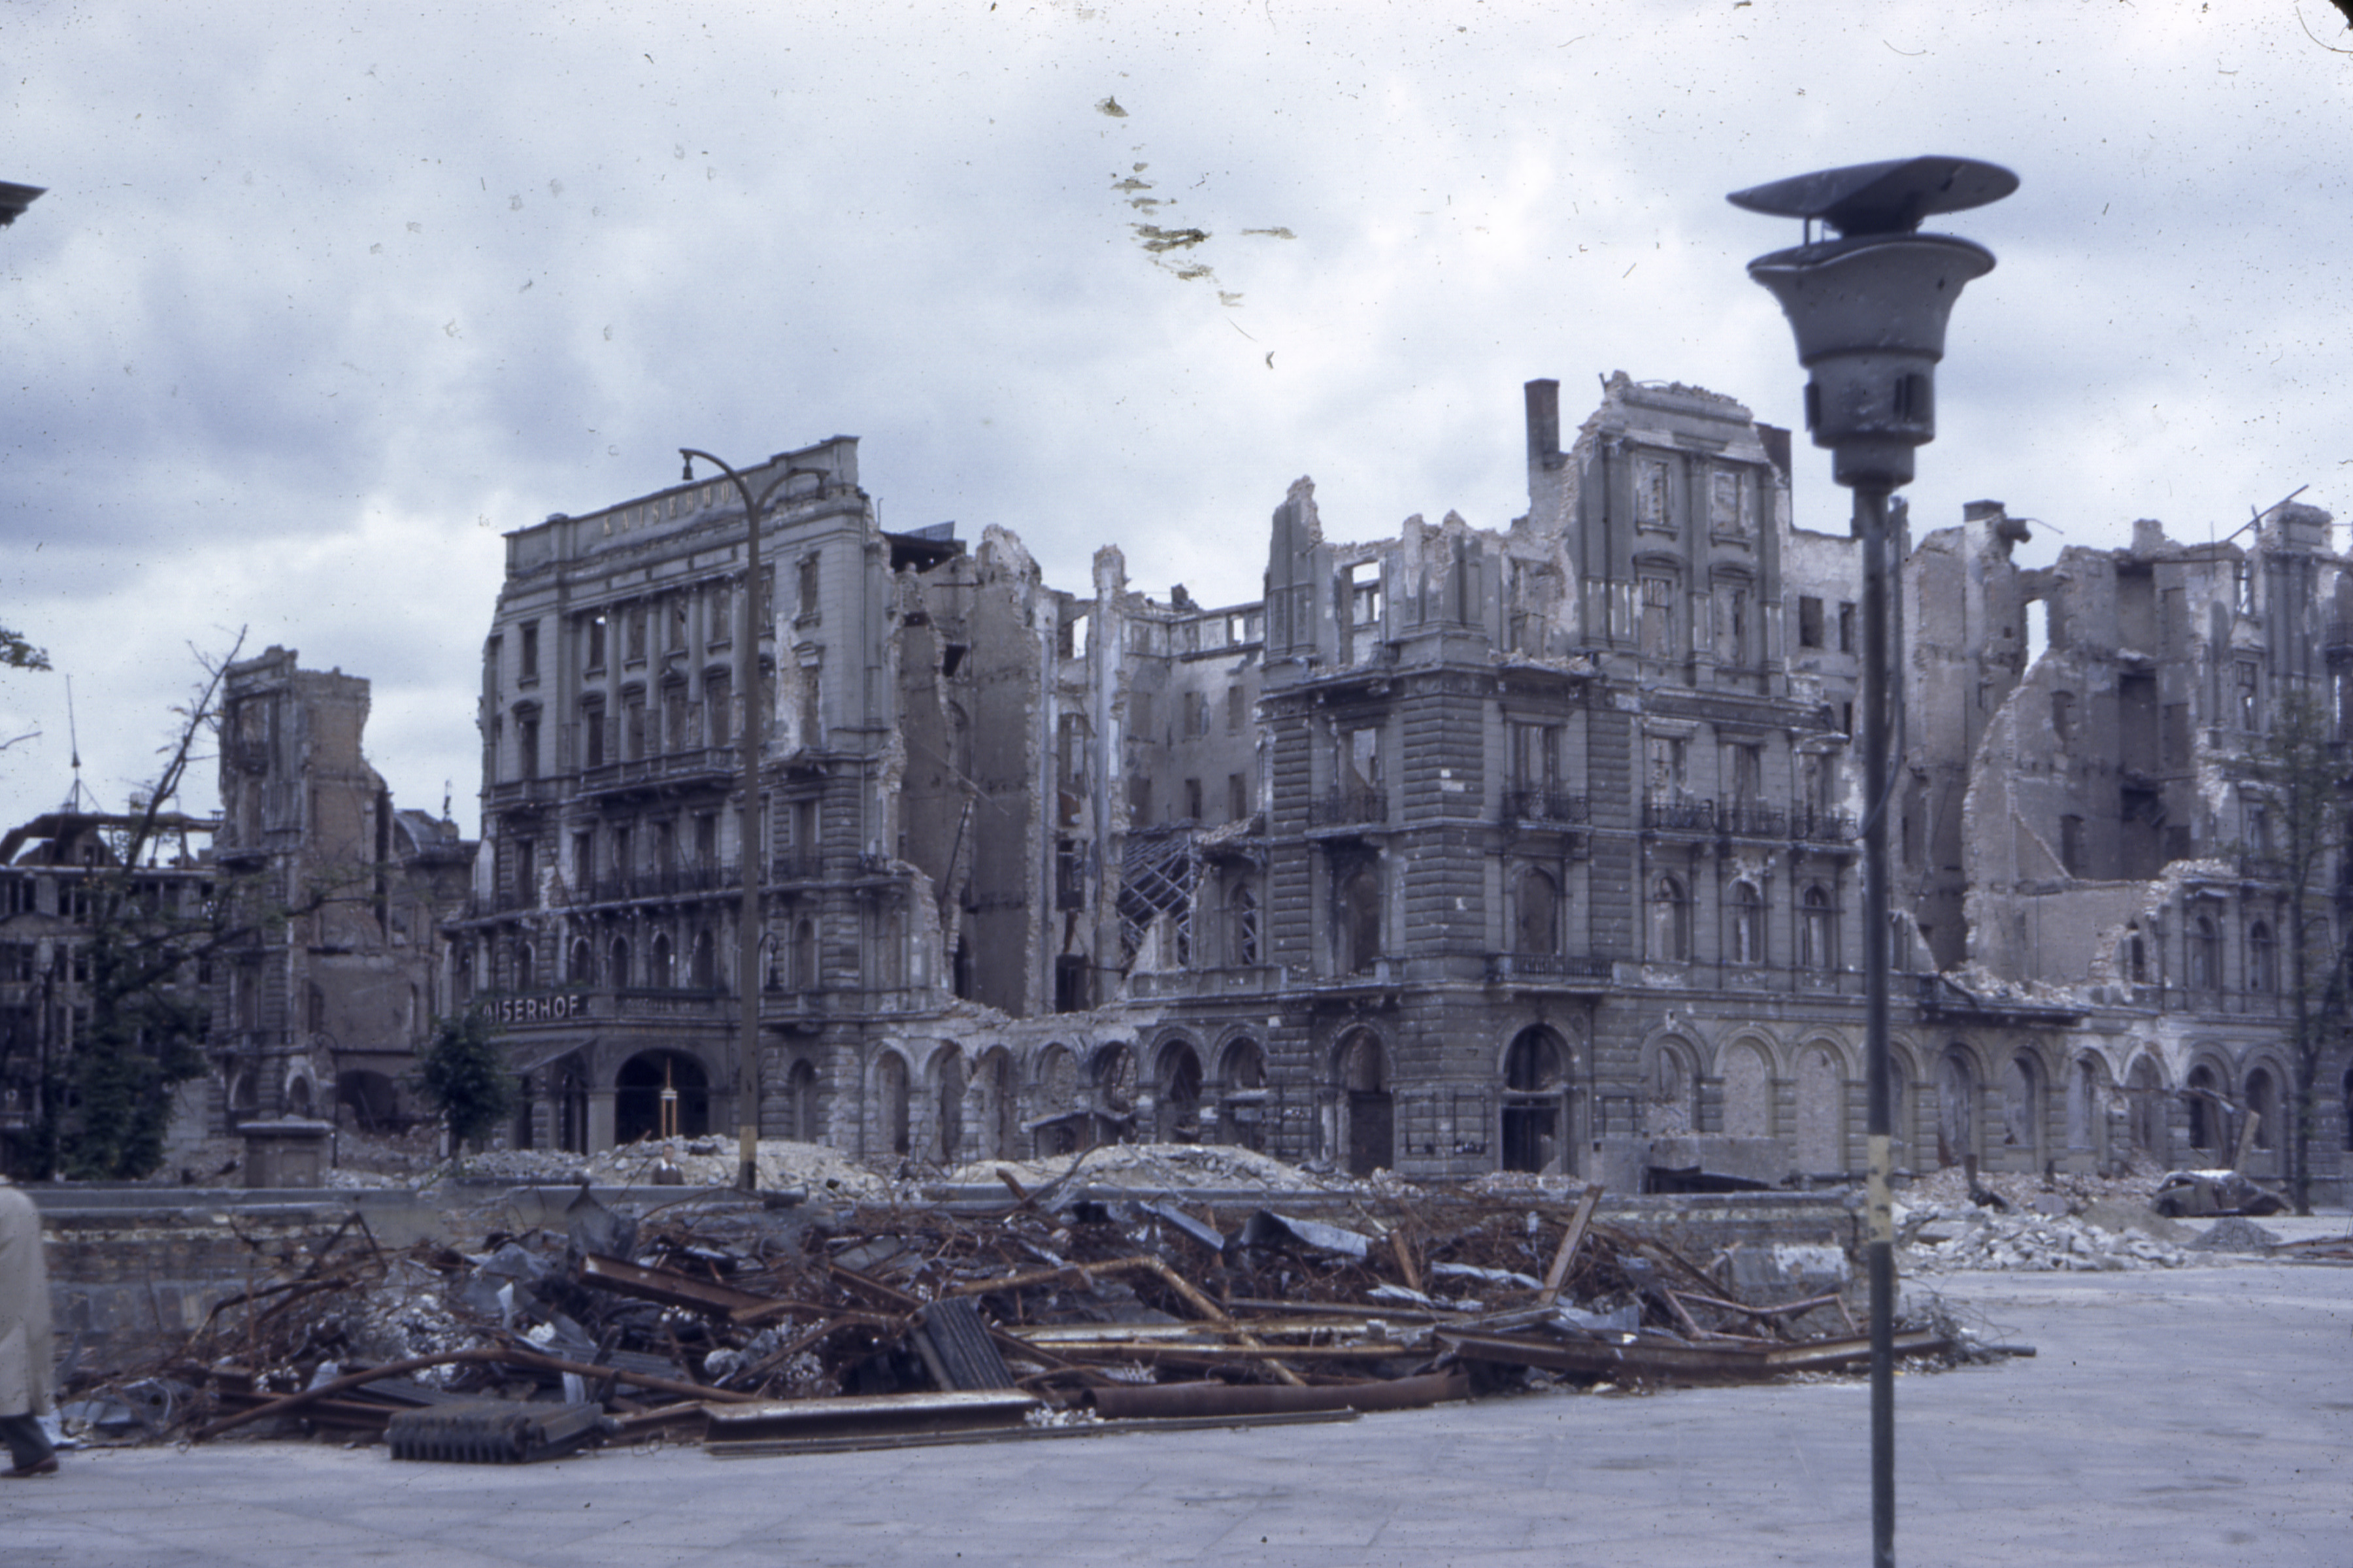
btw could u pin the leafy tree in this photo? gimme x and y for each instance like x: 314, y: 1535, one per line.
x: 463, y: 1074
x: 16, y: 653
x: 2304, y: 783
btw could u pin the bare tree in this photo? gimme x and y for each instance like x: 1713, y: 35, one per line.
x: 2296, y: 768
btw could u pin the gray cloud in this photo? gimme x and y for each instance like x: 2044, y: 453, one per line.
x: 318, y: 306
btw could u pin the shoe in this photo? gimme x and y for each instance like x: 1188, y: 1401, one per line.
x: 47, y: 1467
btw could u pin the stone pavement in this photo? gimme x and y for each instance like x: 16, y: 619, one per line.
x: 2203, y: 1415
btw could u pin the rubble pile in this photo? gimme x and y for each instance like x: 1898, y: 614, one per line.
x: 709, y: 1162
x: 1937, y: 1237
x: 790, y: 1320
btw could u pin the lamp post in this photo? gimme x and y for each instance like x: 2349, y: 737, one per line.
x: 747, y: 949
x: 1869, y: 311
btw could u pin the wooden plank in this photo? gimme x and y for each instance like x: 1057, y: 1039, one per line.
x: 1570, y: 1240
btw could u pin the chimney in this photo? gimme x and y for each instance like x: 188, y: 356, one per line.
x: 1544, y: 424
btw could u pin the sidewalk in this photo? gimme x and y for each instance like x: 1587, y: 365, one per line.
x: 2201, y: 1416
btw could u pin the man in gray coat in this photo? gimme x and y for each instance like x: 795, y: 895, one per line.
x: 27, y: 1349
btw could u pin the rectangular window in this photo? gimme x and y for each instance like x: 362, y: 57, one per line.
x: 527, y: 745
x: 2071, y: 845
x: 1668, y: 781
x: 592, y: 639
x: 1846, y: 628
x: 1139, y: 715
x: 1237, y: 797
x: 584, y: 860
x: 1139, y: 798
x: 1235, y: 706
x: 1809, y: 621
x: 2250, y: 709
x: 1658, y: 631
x: 706, y: 839
x: 804, y: 604
x: 634, y: 728
x: 1651, y: 493
x: 718, y: 695
x: 1193, y: 800
x: 1725, y: 510
x: 530, y: 650
x: 592, y: 735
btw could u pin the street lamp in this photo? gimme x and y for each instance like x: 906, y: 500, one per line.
x: 1869, y: 311
x: 15, y: 199
x: 747, y: 948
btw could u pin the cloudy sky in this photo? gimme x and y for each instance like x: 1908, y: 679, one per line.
x: 323, y: 298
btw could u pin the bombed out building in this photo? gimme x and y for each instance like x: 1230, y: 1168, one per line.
x: 1464, y: 849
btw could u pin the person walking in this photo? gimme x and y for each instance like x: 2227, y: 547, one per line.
x: 27, y: 1349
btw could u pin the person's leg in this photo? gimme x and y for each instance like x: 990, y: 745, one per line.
x: 29, y: 1446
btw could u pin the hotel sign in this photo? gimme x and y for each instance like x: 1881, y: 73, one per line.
x: 508, y: 1010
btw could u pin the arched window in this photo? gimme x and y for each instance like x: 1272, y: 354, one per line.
x: 1241, y: 1117
x: 1670, y: 1090
x: 1670, y: 921
x: 2262, y: 1105
x: 1747, y: 923
x: 703, y: 967
x: 1368, y: 1133
x: 2199, y: 1091
x: 2205, y: 954
x: 1179, y: 1108
x: 1534, y: 1073
x: 890, y: 1102
x: 1539, y: 914
x: 1817, y: 934
x: 2135, y: 956
x: 661, y: 974
x: 2022, y: 1106
x: 801, y: 1102
x: 1748, y: 1093
x: 2262, y: 960
x: 1957, y: 1117
x: 1242, y: 927
x: 621, y: 968
x: 522, y: 966
x: 583, y: 962
x: 1822, y: 1113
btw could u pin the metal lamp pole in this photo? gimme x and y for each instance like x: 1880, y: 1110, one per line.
x: 747, y: 949
x: 1869, y: 311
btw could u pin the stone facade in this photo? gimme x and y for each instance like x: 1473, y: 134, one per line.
x: 324, y: 1006
x: 1470, y: 848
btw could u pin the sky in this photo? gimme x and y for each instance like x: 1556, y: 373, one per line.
x: 324, y: 298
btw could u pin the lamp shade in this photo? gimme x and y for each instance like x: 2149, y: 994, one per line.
x: 1869, y: 314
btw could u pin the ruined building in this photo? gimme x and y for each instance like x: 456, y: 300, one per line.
x: 1523, y: 848
x: 50, y: 868
x: 325, y: 999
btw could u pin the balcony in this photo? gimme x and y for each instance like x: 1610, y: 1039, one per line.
x: 2263, y: 868
x: 1178, y: 984
x: 1747, y: 819
x: 700, y: 764
x: 1348, y: 808
x: 1578, y: 970
x: 1550, y: 806
x: 1679, y: 815
x: 1808, y: 826
x: 665, y: 882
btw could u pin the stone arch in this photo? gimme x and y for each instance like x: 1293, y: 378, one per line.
x: 1366, y: 1109
x: 1177, y: 1091
x: 2264, y: 1094
x: 1242, y: 1094
x: 2209, y: 1111
x: 1821, y: 1108
x: 892, y: 1133
x: 1745, y: 1068
x: 2087, y: 1096
x: 2023, y: 1089
x: 1112, y: 1073
x: 801, y: 1124
x: 1056, y: 1087
x: 2145, y: 1109
x: 1537, y: 1089
x: 658, y: 1090
x: 1957, y: 1077
x: 1669, y: 1085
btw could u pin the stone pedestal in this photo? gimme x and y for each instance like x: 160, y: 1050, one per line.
x: 288, y: 1152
